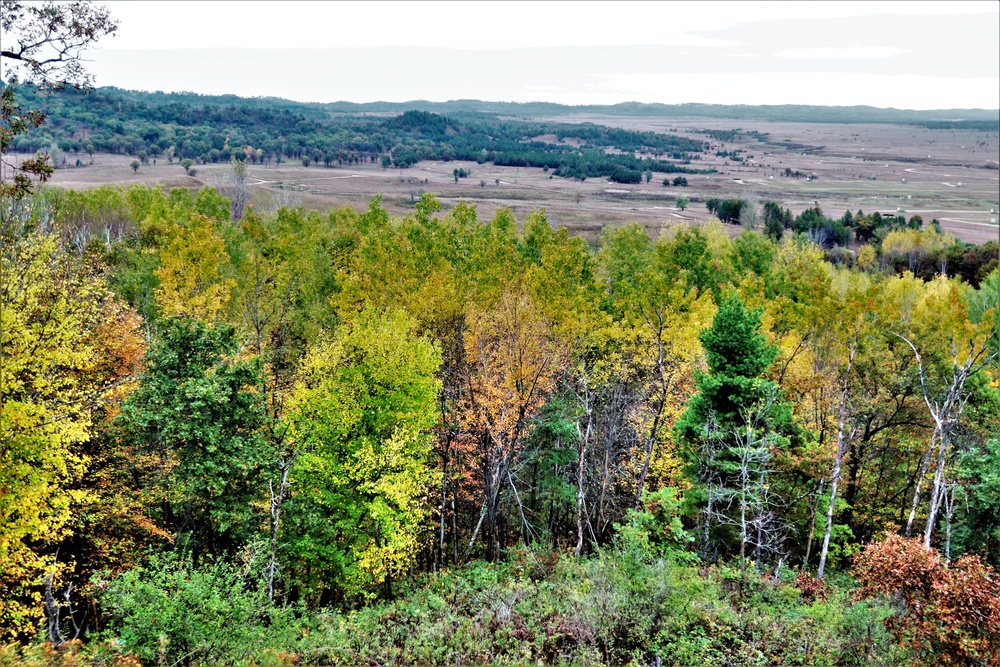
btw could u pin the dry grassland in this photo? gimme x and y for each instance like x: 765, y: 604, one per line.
x: 951, y: 175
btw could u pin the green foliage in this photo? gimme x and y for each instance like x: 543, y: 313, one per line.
x: 657, y: 528
x: 620, y: 608
x: 738, y: 354
x: 977, y: 502
x: 363, y: 414
x: 201, y: 412
x: 391, y: 364
x: 213, y: 130
x: 171, y: 611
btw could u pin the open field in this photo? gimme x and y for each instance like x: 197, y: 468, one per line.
x: 951, y: 175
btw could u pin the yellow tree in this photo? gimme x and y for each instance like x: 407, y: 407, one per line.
x: 662, y: 295
x: 193, y: 271
x: 52, y: 371
x: 512, y: 361
x: 949, y: 350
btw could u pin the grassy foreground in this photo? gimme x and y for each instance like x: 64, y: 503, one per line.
x: 621, y: 607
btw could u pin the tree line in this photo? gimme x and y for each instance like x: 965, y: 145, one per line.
x: 891, y: 240
x: 151, y: 128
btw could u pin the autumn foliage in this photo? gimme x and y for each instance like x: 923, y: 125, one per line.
x: 950, y: 611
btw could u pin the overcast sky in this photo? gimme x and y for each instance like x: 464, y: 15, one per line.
x: 912, y: 55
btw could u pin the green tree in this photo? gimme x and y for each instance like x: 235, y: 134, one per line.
x: 738, y: 354
x: 776, y: 220
x: 733, y: 422
x: 135, y: 166
x: 201, y: 411
x: 170, y: 610
x: 363, y: 414
x: 682, y: 202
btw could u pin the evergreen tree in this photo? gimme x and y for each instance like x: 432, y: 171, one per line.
x: 733, y: 424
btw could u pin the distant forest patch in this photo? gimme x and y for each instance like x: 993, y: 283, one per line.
x: 155, y: 126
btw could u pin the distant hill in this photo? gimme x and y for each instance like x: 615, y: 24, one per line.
x: 983, y: 119
x: 966, y: 118
x: 182, y: 126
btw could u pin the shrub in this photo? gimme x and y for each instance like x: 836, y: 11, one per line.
x: 950, y: 613
x: 172, y: 611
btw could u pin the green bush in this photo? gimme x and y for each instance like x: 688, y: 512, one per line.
x: 173, y: 612
x: 623, y: 606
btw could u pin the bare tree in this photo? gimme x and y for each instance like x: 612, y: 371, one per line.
x: 734, y: 468
x: 583, y: 439
x: 844, y: 438
x: 759, y: 525
x: 237, y: 188
x: 945, y: 410
x: 278, y: 497
x: 748, y: 211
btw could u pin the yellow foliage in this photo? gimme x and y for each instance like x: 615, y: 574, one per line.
x: 915, y: 242
x: 193, y: 271
x: 866, y: 257
x: 52, y: 368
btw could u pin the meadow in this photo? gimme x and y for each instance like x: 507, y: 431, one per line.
x: 951, y: 175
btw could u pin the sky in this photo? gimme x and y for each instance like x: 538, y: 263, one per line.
x: 909, y: 55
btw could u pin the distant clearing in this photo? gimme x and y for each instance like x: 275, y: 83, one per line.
x: 950, y: 175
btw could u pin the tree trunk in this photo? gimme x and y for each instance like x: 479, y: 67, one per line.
x: 829, y: 515
x: 949, y: 504
x: 813, y: 511
x: 656, y: 420
x: 277, y: 500
x: 441, y: 552
x: 581, y: 459
x: 919, y: 484
x: 52, y: 613
x: 935, y: 503
x: 842, y: 444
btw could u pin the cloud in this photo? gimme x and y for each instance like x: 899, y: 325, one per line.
x: 851, y: 52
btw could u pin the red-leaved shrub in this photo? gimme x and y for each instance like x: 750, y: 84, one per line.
x: 951, y: 612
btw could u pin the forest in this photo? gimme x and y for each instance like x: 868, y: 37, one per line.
x: 157, y: 127
x: 322, y: 420
x: 235, y: 437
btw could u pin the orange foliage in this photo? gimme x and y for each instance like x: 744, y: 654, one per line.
x: 951, y: 612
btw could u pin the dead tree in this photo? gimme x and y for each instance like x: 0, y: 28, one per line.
x: 236, y: 186
x: 584, y: 439
x: 844, y: 438
x: 278, y: 498
x: 751, y: 452
x: 55, y: 610
x: 945, y: 411
x: 734, y: 469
